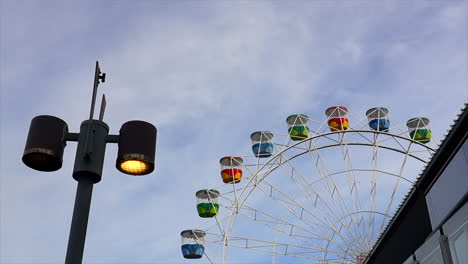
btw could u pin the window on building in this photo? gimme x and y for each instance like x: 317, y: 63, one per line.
x: 459, y: 245
x: 434, y: 258
x: 449, y: 188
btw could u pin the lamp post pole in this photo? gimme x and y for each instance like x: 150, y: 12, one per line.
x: 79, y: 224
x: 89, y: 161
x: 45, y: 145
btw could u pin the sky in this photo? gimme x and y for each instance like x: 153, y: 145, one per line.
x: 206, y: 74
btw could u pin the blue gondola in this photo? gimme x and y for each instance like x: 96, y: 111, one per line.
x: 378, y: 119
x: 193, y: 251
x: 262, y: 145
x: 192, y: 243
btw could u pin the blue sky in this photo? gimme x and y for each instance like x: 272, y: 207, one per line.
x: 207, y: 74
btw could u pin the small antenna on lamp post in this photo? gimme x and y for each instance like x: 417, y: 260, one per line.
x: 103, y: 107
x: 98, y: 76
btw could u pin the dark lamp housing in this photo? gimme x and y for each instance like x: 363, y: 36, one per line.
x: 137, y: 145
x: 45, y: 143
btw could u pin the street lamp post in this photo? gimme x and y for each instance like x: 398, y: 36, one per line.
x: 45, y: 145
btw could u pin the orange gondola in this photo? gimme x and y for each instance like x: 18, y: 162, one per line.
x: 337, y: 118
x: 231, y: 169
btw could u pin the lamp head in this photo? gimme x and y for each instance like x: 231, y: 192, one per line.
x: 137, y: 145
x: 45, y: 144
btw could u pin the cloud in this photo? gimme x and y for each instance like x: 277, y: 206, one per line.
x: 207, y: 74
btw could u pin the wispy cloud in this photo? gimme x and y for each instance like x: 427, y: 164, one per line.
x: 207, y: 74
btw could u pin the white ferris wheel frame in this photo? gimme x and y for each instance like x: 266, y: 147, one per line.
x: 277, y: 160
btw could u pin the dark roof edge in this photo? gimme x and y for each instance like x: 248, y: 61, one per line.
x: 449, y: 145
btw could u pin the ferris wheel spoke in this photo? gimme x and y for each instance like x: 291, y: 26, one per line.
x: 373, y: 190
x: 395, y: 187
x: 295, y: 175
x: 362, y: 121
x: 323, y: 126
x: 353, y: 186
x: 362, y: 135
x: 332, y: 226
x: 283, y: 199
x: 274, y: 247
x: 209, y: 225
x: 208, y: 256
x: 287, y: 145
x: 275, y: 219
x: 421, y: 151
x: 339, y: 203
x: 360, y: 170
x: 292, y: 202
x: 274, y: 225
x: 303, y: 213
x: 264, y: 170
x: 234, y: 213
x: 309, y: 228
x: 397, y: 126
x: 403, y: 148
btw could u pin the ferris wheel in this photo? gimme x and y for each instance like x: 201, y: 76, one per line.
x: 322, y: 192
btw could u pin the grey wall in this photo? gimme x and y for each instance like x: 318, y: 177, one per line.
x: 450, y: 187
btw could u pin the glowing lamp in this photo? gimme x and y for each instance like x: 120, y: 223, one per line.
x: 137, y: 145
x: 45, y: 143
x: 136, y: 167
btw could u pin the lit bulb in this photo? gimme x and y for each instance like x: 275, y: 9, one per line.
x: 136, y: 167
